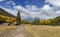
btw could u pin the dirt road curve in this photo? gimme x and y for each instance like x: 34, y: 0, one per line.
x: 18, y: 32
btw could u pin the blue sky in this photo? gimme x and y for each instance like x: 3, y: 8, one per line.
x: 8, y: 3
x: 44, y: 9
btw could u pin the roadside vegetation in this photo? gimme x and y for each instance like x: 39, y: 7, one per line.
x: 4, y: 29
x: 42, y: 31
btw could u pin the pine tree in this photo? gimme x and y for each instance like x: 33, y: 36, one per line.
x: 36, y: 21
x: 18, y: 18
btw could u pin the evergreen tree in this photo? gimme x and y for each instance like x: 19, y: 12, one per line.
x: 18, y: 18
x: 36, y: 21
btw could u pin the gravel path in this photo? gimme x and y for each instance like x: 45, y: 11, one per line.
x: 18, y: 32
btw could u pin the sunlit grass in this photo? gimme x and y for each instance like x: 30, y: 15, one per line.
x: 4, y: 29
x: 42, y: 31
x: 35, y: 30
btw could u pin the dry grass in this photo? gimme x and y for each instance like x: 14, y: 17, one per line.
x: 42, y: 31
x: 35, y: 31
x: 4, y: 29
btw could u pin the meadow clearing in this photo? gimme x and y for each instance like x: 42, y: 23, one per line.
x: 35, y: 30
x: 42, y: 31
x: 5, y: 29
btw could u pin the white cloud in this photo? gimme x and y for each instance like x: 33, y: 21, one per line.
x: 46, y: 1
x: 14, y: 12
x: 9, y: 10
x: 46, y: 12
x: 24, y: 15
x: 54, y: 2
x: 19, y: 7
x: 33, y: 11
x: 47, y: 7
x: 34, y: 7
x: 2, y: 0
x: 8, y: 2
x: 50, y: 12
x: 29, y: 10
x: 58, y: 12
x: 11, y: 3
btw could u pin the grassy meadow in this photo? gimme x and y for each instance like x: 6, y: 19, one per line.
x: 35, y: 30
x: 42, y: 31
x: 4, y: 29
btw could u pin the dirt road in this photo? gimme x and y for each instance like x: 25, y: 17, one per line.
x: 18, y: 32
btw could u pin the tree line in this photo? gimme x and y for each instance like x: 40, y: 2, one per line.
x: 36, y: 21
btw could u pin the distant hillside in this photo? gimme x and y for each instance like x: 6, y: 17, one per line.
x: 4, y: 13
x: 55, y: 21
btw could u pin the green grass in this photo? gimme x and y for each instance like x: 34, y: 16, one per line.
x: 42, y: 31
